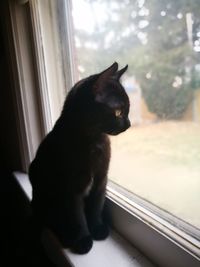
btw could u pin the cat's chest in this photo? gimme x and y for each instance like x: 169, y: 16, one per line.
x: 99, y: 153
x: 97, y: 150
x: 89, y: 186
x: 98, y: 164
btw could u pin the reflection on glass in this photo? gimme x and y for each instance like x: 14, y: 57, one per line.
x: 159, y: 157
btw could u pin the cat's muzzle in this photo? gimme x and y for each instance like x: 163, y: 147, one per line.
x: 121, y: 128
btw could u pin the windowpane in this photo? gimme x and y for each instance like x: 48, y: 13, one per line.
x: 158, y: 158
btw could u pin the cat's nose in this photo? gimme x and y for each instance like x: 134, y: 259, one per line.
x: 127, y: 123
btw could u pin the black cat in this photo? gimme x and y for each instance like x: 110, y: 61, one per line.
x: 69, y: 172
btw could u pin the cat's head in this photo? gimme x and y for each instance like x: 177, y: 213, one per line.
x: 102, y: 101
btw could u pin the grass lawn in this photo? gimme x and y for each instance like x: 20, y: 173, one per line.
x: 161, y: 163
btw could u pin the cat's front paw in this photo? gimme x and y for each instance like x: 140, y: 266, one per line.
x: 83, y: 245
x: 100, y: 232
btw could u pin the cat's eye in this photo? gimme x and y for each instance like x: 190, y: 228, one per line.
x: 118, y: 113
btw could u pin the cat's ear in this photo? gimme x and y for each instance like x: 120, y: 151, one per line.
x: 110, y: 71
x: 119, y: 73
x: 103, y: 76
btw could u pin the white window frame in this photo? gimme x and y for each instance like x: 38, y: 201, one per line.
x: 159, y: 241
x: 162, y: 242
x: 24, y: 82
x: 55, y: 76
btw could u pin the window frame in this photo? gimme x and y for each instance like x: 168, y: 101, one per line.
x: 163, y: 243
x: 163, y: 246
x: 44, y: 51
x: 23, y: 76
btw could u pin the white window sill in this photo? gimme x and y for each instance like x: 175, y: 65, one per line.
x: 114, y: 251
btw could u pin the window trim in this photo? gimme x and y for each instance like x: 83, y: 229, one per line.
x: 28, y: 70
x: 40, y: 66
x: 188, y: 232
x: 65, y: 48
x: 162, y: 242
x: 24, y: 80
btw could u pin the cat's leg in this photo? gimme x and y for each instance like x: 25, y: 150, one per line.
x: 67, y: 220
x: 94, y: 213
x: 81, y: 238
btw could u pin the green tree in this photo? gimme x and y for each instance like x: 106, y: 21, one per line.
x: 152, y: 37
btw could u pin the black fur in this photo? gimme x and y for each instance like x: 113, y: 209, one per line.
x: 69, y: 172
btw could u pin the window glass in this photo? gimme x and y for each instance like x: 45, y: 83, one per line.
x: 158, y: 158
